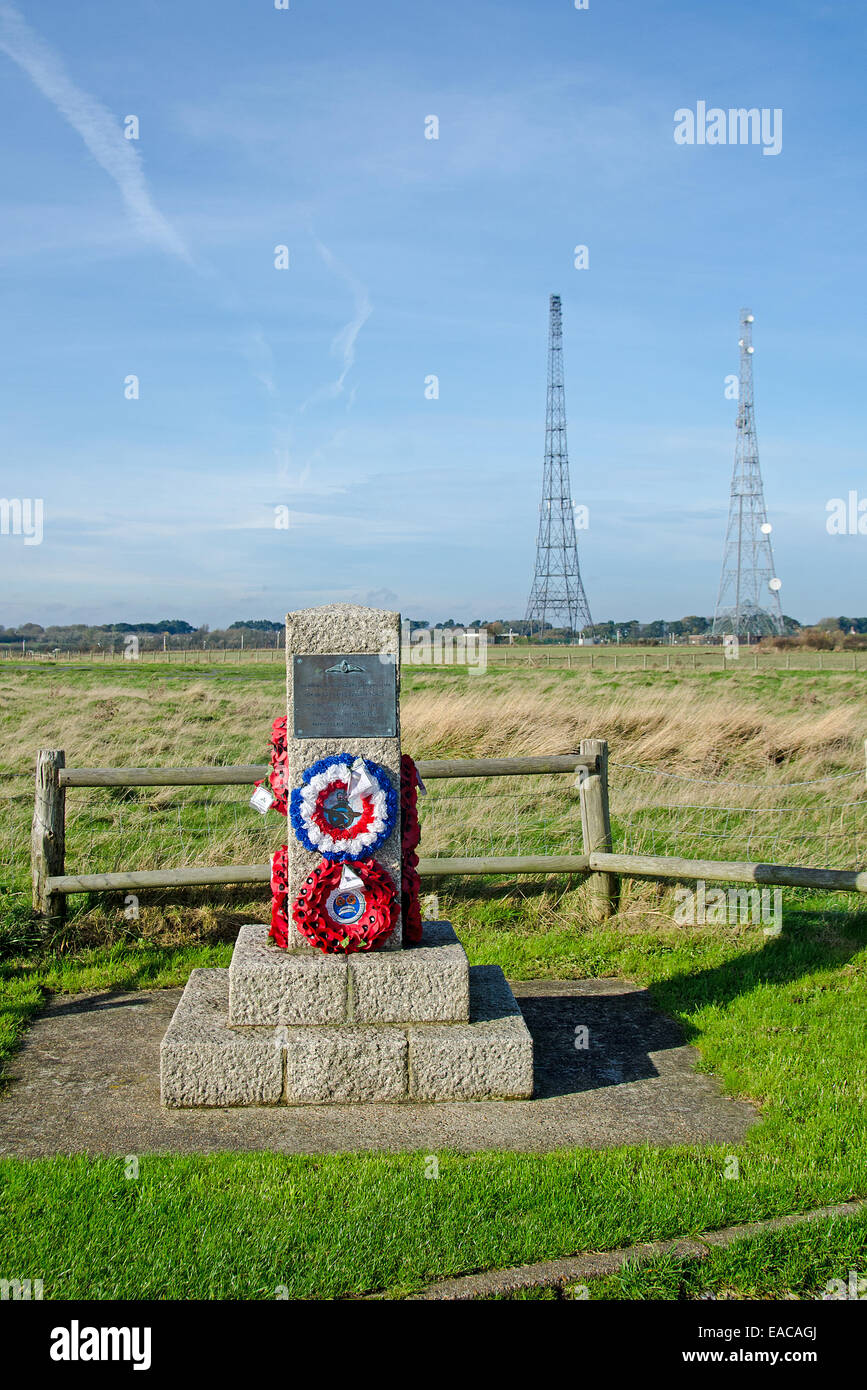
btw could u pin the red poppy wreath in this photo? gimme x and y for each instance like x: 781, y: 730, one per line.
x: 278, y: 777
x: 410, y: 834
x: 347, y: 907
x: 279, y: 932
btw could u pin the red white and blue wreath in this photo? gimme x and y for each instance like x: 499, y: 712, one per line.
x: 345, y: 807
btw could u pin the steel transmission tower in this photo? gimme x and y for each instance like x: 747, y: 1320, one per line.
x: 557, y: 596
x: 748, y: 603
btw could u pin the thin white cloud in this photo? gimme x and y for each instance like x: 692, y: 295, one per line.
x: 98, y: 127
x: 343, y: 343
x: 100, y: 130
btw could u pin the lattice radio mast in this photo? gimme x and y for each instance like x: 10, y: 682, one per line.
x: 748, y: 603
x: 557, y: 596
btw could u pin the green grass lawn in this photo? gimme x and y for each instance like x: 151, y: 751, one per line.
x: 792, y: 1264
x: 780, y: 1020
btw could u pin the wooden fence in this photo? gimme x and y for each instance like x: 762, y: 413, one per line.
x: 52, y: 884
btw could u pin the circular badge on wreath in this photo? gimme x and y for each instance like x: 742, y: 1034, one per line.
x: 345, y: 807
x: 347, y: 907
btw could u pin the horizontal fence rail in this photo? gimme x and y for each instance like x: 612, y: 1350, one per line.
x: 717, y: 871
x: 506, y: 864
x: 632, y: 865
x: 261, y: 873
x: 159, y: 878
x: 163, y: 776
x: 243, y: 774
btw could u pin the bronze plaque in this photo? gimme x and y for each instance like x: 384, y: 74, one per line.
x: 345, y: 696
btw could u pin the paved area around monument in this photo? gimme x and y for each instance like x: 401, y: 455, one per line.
x: 87, y: 1080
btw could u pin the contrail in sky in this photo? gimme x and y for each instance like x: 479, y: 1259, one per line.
x: 344, y: 342
x: 101, y: 133
x: 97, y: 127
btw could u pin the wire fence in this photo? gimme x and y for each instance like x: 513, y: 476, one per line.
x: 679, y: 657
x: 111, y: 829
x: 16, y: 808
x: 820, y: 823
x: 501, y: 816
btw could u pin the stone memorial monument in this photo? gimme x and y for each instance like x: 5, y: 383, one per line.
x: 350, y: 1008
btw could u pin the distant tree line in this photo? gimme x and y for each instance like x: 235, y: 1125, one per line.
x: 177, y: 633
x: 172, y: 633
x: 631, y: 631
x: 828, y: 634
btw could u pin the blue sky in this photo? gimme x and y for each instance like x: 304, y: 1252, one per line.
x: 408, y: 257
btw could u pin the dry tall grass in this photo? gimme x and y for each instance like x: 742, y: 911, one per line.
x: 687, y: 726
x: 692, y: 725
x: 702, y: 768
x: 714, y: 733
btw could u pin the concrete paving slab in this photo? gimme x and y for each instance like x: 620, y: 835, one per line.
x: 87, y: 1081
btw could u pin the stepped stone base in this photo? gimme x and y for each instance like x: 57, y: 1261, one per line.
x: 427, y: 983
x: 206, y: 1061
x: 345, y: 1064
x: 489, y: 1058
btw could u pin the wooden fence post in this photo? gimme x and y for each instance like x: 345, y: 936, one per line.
x: 596, y: 825
x: 48, y: 835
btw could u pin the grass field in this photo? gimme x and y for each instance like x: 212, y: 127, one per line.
x: 682, y: 658
x: 778, y: 1020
